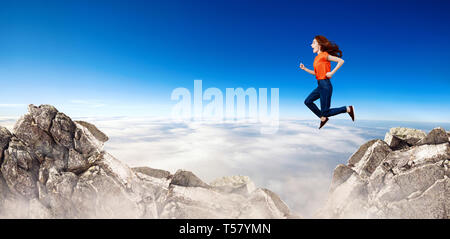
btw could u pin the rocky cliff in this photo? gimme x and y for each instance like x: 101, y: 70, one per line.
x: 53, y: 167
x: 406, y: 175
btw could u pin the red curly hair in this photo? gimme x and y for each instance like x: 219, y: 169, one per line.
x: 328, y: 46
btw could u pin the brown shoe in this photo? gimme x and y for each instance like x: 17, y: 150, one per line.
x: 322, y: 123
x: 352, y: 112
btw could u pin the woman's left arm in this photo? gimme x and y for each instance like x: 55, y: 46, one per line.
x: 339, y: 61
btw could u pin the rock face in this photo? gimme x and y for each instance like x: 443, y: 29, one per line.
x: 404, y: 176
x: 53, y: 167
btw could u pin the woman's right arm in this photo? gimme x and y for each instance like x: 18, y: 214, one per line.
x: 306, y: 69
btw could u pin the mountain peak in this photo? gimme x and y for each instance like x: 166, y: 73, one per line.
x: 406, y: 175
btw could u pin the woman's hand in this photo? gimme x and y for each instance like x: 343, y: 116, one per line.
x: 302, y: 66
x: 329, y: 75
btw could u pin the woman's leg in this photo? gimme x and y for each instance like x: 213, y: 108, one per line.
x: 309, y: 101
x: 335, y: 111
x: 326, y: 91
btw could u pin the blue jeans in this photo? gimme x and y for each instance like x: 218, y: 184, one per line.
x: 323, y: 91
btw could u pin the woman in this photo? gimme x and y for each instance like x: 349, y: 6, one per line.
x: 326, y: 52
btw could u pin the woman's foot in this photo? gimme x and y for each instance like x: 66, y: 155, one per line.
x: 351, y: 112
x: 323, y: 121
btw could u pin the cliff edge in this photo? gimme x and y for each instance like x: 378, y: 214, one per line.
x: 406, y: 175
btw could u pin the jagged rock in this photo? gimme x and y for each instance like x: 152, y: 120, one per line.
x: 340, y: 175
x: 156, y: 173
x: 400, y: 186
x: 354, y: 159
x: 214, y: 202
x: 266, y: 199
x: 279, y: 204
x: 406, y: 183
x: 53, y: 167
x: 77, y: 163
x: 28, y: 131
x: 19, y: 169
x: 63, y: 130
x: 43, y: 115
x: 5, y: 137
x: 436, y: 136
x: 234, y: 184
x: 199, y: 202
x: 85, y: 142
x: 432, y: 203
x: 410, y: 136
x: 395, y: 142
x: 373, y: 156
x: 99, y: 135
x: 187, y: 179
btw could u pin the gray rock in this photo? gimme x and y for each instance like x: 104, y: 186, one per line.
x: 85, y: 142
x: 63, y: 130
x: 19, y: 169
x: 431, y: 204
x: 77, y: 163
x: 199, y: 202
x: 354, y: 159
x: 99, y: 135
x: 395, y: 142
x: 340, y: 174
x: 187, y: 179
x: 436, y: 136
x: 43, y: 115
x: 281, y: 206
x: 156, y: 173
x: 410, y: 136
x: 400, y: 186
x: 39, y: 141
x: 5, y: 137
x: 372, y: 158
x: 234, y: 184
x: 241, y: 189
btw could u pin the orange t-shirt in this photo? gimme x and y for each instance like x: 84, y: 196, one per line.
x: 321, y: 65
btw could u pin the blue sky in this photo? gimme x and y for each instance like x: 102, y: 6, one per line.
x: 112, y: 58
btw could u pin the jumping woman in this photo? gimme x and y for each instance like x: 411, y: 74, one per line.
x: 326, y: 52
